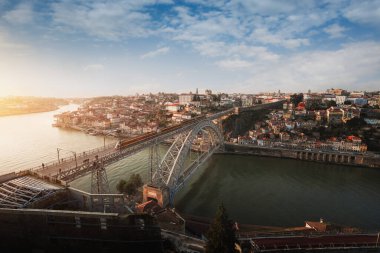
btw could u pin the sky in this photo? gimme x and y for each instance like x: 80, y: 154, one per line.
x: 84, y: 48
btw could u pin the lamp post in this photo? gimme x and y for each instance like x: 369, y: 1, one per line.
x: 58, y: 155
x: 74, y: 153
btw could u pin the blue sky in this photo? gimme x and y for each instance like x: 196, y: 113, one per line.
x: 71, y: 48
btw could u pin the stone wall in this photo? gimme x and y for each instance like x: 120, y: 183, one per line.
x: 325, y: 157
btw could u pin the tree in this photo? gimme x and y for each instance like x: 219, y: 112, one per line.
x: 296, y: 98
x: 347, y: 102
x: 130, y: 187
x: 121, y: 185
x: 330, y: 103
x: 136, y: 180
x: 355, y: 123
x: 221, y: 234
x: 313, y: 105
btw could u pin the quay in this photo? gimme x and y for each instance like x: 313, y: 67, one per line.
x: 333, y: 157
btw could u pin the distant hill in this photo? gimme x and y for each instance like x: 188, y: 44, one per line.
x: 24, y: 105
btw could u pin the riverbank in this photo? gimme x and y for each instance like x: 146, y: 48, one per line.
x: 198, y: 226
x: 39, y: 110
x: 345, y: 158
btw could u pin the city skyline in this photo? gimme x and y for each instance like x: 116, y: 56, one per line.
x: 92, y: 48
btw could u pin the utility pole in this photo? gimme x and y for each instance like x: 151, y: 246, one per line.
x: 58, y: 154
x: 74, y: 153
x: 76, y: 163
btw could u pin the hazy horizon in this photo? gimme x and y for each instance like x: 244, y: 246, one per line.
x: 77, y: 49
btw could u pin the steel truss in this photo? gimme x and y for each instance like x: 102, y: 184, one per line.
x: 172, y: 172
x: 21, y: 192
x: 99, y: 180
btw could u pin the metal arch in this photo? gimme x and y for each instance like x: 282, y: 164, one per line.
x: 163, y: 170
x: 171, y: 166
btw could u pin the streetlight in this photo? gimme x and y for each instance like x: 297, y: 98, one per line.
x: 74, y: 153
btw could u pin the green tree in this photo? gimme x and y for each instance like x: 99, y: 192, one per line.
x: 130, y: 187
x: 355, y: 123
x: 347, y: 102
x: 221, y: 234
x: 136, y: 180
x: 296, y: 98
x: 121, y: 185
x: 330, y: 103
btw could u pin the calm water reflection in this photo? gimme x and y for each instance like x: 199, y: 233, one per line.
x: 28, y: 140
x: 281, y: 192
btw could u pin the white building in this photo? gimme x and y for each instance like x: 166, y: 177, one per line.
x: 185, y: 99
x: 340, y: 100
x: 173, y: 107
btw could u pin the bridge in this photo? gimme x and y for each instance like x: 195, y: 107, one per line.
x: 169, y: 172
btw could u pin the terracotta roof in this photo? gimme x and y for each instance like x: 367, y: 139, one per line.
x: 318, y: 226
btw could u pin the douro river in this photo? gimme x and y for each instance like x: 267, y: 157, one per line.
x: 255, y: 190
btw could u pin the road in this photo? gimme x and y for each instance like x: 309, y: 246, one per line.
x: 53, y: 169
x: 319, y: 241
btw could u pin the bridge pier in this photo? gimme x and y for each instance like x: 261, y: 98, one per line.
x: 161, y: 195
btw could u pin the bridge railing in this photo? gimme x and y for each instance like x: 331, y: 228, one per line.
x: 68, y: 159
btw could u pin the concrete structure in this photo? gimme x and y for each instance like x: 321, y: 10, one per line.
x: 161, y: 195
x: 185, y: 99
x: 22, y: 192
x: 37, y: 230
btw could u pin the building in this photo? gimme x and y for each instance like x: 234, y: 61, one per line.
x: 340, y: 100
x: 337, y: 92
x: 185, y: 99
x: 173, y: 107
x: 357, y: 94
x: 335, y: 115
x: 357, y: 101
x: 351, y: 112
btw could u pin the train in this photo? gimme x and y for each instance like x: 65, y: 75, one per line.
x: 151, y: 135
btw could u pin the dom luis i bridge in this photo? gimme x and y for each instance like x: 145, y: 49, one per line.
x: 168, y: 172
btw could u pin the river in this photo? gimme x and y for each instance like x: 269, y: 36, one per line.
x: 255, y: 190
x: 28, y: 140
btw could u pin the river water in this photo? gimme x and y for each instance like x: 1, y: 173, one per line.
x: 255, y: 190
x: 28, y: 140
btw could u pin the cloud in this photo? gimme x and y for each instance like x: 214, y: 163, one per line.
x: 8, y: 44
x: 234, y: 64
x: 366, y: 12
x: 264, y: 36
x: 94, y: 67
x: 151, y: 54
x: 354, y: 65
x: 221, y: 49
x: 21, y: 14
x: 335, y: 31
x: 107, y: 20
